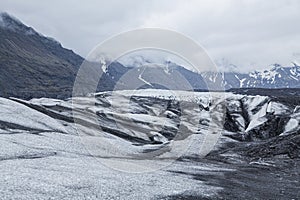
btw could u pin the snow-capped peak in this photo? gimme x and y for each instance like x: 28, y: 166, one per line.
x: 275, y: 67
x: 267, y: 74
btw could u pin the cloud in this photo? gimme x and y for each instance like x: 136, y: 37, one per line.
x: 251, y: 34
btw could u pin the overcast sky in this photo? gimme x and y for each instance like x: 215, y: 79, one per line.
x: 250, y: 34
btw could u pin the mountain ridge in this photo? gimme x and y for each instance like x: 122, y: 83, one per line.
x: 34, y: 66
x: 274, y: 76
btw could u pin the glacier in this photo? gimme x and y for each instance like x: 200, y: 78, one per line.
x: 131, y: 144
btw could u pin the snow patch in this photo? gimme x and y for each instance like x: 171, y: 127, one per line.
x: 103, y: 65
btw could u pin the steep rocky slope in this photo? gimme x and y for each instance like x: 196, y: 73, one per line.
x: 32, y: 65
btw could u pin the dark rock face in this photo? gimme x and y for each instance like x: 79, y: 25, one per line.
x: 282, y: 145
x: 32, y: 65
x: 273, y: 127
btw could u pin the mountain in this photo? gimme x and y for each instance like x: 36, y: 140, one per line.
x: 32, y: 65
x: 197, y: 145
x: 162, y: 76
x: 115, y: 76
x: 276, y: 76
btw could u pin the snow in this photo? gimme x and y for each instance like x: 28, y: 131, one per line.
x: 55, y: 164
x: 64, y: 177
x: 16, y: 113
x: 141, y: 78
x: 166, y: 68
x: 257, y: 118
x: 255, y: 123
x: 103, y: 65
x: 83, y: 160
x: 196, y: 97
x: 292, y: 125
x: 242, y: 82
x: 46, y: 101
x: 262, y: 104
x: 253, y: 74
x: 119, y: 113
x: 277, y: 108
x: 296, y: 109
x: 269, y: 75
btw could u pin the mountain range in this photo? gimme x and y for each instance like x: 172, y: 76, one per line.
x: 156, y: 142
x: 32, y: 65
